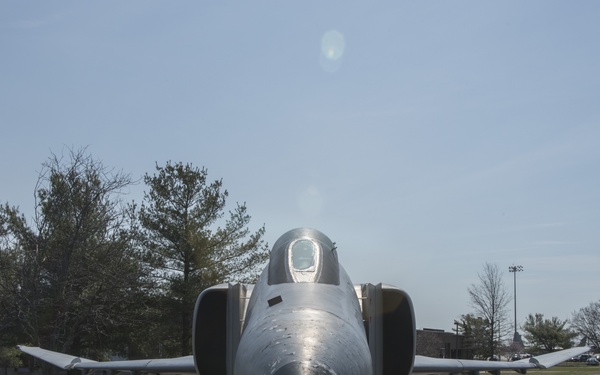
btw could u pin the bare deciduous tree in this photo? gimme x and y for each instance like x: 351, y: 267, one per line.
x: 586, y: 321
x: 73, y: 275
x: 489, y: 298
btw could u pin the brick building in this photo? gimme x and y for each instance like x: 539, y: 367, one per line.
x: 441, y: 344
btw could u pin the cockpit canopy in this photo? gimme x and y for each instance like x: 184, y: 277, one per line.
x: 304, y: 255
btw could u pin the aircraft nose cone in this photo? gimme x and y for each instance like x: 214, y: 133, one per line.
x: 300, y: 368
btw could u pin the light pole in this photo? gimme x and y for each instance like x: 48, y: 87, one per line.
x: 456, y: 340
x: 514, y: 269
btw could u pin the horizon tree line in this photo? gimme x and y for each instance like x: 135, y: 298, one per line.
x: 94, y: 275
x: 486, y: 329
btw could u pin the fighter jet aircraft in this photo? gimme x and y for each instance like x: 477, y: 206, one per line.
x: 303, y: 317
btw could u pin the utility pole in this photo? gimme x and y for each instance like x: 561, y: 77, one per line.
x: 514, y: 269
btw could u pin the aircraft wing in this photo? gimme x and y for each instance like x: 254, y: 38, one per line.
x: 186, y: 364
x: 179, y: 365
x: 428, y: 364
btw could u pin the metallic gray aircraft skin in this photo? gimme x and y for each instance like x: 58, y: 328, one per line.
x: 303, y: 317
x: 308, y: 327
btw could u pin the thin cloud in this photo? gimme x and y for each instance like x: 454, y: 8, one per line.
x: 553, y: 243
x: 37, y: 23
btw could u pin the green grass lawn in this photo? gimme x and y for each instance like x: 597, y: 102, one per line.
x: 562, y: 369
x: 568, y: 368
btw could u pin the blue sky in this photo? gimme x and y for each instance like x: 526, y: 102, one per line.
x: 427, y: 137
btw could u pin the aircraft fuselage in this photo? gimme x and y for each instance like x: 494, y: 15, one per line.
x: 303, y: 328
x: 304, y: 316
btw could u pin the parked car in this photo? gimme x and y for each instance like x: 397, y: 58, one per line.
x: 515, y: 357
x: 592, y: 361
x: 584, y: 357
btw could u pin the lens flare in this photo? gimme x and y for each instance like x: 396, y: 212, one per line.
x: 333, y: 45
